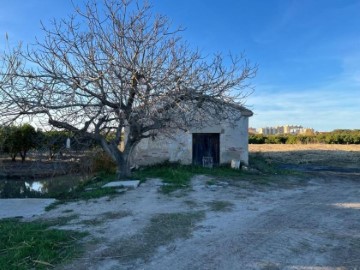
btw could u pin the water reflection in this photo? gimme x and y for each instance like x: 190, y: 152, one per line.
x: 37, y: 189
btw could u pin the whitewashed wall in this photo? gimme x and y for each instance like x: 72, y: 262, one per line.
x: 233, y: 145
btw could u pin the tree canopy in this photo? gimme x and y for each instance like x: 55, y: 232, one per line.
x: 115, y: 66
x: 17, y: 140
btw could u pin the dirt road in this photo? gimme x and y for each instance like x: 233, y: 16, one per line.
x: 312, y: 224
x: 317, y: 226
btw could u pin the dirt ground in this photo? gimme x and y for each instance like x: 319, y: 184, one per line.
x: 314, y: 154
x: 303, y: 221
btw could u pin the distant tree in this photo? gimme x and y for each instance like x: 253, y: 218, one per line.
x: 115, y: 66
x: 53, y: 141
x: 292, y: 139
x: 256, y: 139
x: 8, y: 141
x: 18, y: 140
x: 281, y: 139
x: 333, y: 137
x: 26, y: 139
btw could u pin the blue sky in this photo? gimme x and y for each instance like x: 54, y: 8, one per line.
x: 308, y: 51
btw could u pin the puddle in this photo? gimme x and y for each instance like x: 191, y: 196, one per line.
x: 37, y: 189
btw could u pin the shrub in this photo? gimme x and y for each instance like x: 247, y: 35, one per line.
x: 97, y: 161
x: 257, y: 139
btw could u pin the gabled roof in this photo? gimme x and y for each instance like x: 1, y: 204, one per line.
x: 244, y: 111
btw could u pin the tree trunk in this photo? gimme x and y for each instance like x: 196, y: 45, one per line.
x: 121, y: 158
x: 123, y: 170
x: 23, y: 156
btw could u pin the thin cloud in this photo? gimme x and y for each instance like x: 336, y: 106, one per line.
x: 322, y: 110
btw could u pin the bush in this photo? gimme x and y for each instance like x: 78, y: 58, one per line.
x: 257, y: 139
x: 101, y: 162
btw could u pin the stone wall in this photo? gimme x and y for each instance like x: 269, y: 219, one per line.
x: 178, y: 146
x: 234, y: 142
x: 174, y: 148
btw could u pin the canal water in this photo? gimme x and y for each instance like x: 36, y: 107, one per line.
x: 43, y: 188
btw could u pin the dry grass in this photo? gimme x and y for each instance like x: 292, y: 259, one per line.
x: 163, y: 229
x: 303, y: 147
x: 221, y: 206
x: 321, y: 154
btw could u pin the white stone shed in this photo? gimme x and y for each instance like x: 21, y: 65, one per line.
x: 221, y: 141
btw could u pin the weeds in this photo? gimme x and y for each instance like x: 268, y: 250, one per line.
x: 177, y: 176
x: 265, y: 166
x: 91, y: 189
x: 106, y: 216
x: 61, y: 221
x: 211, y: 182
x: 53, y: 205
x: 67, y: 211
x: 221, y: 206
x: 162, y: 230
x: 191, y: 203
x: 174, y: 175
x: 34, y: 246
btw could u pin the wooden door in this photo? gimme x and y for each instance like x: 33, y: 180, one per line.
x: 205, y: 145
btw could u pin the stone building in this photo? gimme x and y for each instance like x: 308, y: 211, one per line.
x: 220, y: 143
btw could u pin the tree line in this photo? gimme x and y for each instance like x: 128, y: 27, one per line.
x: 18, y: 140
x: 339, y: 136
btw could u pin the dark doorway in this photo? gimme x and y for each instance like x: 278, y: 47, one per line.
x: 206, y: 145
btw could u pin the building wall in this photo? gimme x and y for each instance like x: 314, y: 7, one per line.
x: 178, y: 146
x: 234, y: 142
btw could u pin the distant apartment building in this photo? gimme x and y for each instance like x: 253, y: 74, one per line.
x: 287, y: 129
x: 280, y: 130
x: 295, y: 129
x: 307, y: 131
x: 268, y: 131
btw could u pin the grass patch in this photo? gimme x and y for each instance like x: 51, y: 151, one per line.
x: 162, y: 230
x: 60, y: 221
x: 93, y: 193
x: 92, y: 222
x: 174, y: 175
x: 25, y: 245
x: 211, y: 182
x: 90, y: 189
x: 191, y: 203
x: 221, y: 206
x: 67, y: 211
x: 53, y: 205
x: 116, y: 215
x: 177, y: 176
x: 106, y: 216
x: 263, y: 165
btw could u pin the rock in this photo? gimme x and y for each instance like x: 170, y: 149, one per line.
x: 125, y: 184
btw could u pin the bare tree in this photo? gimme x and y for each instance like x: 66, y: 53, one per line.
x: 118, y: 66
